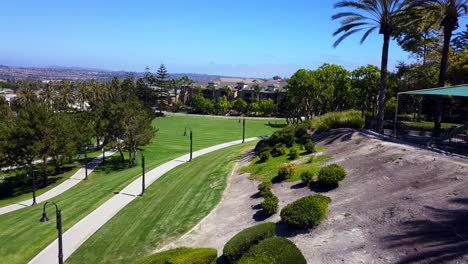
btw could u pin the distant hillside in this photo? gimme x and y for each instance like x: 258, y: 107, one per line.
x: 76, y: 73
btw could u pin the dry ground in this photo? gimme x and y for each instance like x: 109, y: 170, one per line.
x: 399, y: 204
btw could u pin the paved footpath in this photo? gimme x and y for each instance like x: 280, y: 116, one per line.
x: 74, y: 237
x: 59, y: 189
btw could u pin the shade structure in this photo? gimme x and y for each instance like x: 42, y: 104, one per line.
x: 461, y: 90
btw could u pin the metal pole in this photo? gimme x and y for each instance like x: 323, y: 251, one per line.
x: 59, y: 228
x: 103, y: 155
x: 191, y: 144
x: 243, y: 130
x: 396, y: 116
x: 143, y: 173
x: 34, y: 185
x: 86, y: 165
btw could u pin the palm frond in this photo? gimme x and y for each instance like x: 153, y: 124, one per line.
x: 368, y: 32
x: 347, y: 34
x: 347, y: 27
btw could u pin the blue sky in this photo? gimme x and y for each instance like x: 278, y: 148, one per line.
x: 257, y: 38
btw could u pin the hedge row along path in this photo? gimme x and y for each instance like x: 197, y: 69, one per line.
x: 63, y: 187
x: 86, y: 227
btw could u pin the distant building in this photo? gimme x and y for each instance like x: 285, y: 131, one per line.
x: 9, y: 95
x: 234, y: 88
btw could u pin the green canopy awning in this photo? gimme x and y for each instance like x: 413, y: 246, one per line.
x: 461, y: 90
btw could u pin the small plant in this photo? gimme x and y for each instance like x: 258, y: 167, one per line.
x: 270, y: 205
x: 286, y: 171
x: 293, y: 154
x: 264, y: 156
x: 306, y: 212
x: 279, y: 150
x: 307, y: 177
x: 274, y: 250
x: 331, y: 175
x: 241, y: 243
x: 310, y: 147
x: 265, y: 186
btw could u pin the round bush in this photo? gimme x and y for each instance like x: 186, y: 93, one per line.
x: 286, y: 171
x: 331, y: 175
x: 241, y: 243
x: 306, y: 212
x: 270, y: 205
x: 307, y: 177
x: 274, y: 250
x: 265, y: 186
x: 293, y: 154
x: 264, y: 156
x: 279, y: 150
x: 310, y: 147
x: 182, y: 256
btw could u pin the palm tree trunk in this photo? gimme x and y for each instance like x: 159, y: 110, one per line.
x: 443, y: 70
x: 383, y: 83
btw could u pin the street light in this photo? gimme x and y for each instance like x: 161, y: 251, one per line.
x: 143, y: 173
x: 191, y: 141
x: 86, y: 163
x: 44, y: 218
x: 243, y: 128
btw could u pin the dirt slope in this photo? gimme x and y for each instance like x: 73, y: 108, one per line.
x: 399, y: 204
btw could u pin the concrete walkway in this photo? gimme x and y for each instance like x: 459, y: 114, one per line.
x: 59, y: 189
x: 74, y: 237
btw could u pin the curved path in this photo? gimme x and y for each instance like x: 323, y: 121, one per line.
x: 75, y: 236
x: 59, y: 189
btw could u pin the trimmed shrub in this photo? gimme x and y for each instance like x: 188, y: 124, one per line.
x: 265, y: 186
x: 346, y: 119
x: 286, y: 171
x: 182, y: 255
x: 270, y: 205
x: 306, y: 212
x: 279, y: 150
x: 264, y: 156
x: 241, y: 243
x: 331, y: 175
x: 274, y: 250
x: 266, y: 193
x: 293, y: 154
x: 309, y: 147
x: 307, y: 177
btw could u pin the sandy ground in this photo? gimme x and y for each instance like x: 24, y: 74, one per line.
x: 399, y: 204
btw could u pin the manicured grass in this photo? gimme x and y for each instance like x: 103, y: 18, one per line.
x: 27, y: 236
x: 25, y: 192
x: 268, y: 170
x: 170, y: 207
x: 426, y: 125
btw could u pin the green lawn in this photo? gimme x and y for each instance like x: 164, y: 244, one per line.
x: 268, y: 170
x: 27, y: 236
x: 427, y: 125
x: 179, y: 200
x: 25, y: 192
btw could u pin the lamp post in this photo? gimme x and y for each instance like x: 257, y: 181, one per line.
x: 86, y: 163
x: 33, y: 176
x: 243, y: 128
x: 44, y: 218
x: 103, y: 154
x: 191, y: 141
x: 143, y: 173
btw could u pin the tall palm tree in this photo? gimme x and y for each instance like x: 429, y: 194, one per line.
x: 25, y: 96
x: 448, y: 13
x: 82, y: 95
x: 370, y: 15
x: 47, y: 94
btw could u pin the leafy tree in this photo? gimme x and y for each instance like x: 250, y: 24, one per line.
x: 202, y: 105
x: 384, y: 15
x: 222, y: 106
x: 365, y: 83
x: 267, y: 106
x: 239, y: 105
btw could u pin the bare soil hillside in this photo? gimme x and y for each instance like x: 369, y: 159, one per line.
x: 398, y: 204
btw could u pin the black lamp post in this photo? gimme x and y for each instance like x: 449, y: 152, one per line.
x: 143, y: 173
x: 103, y: 154
x: 191, y: 141
x: 243, y: 129
x: 86, y: 163
x: 33, y: 176
x: 44, y: 218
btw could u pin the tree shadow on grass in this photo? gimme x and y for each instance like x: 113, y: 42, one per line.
x: 112, y: 164
x: 439, y: 237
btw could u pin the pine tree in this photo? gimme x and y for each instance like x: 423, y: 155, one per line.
x: 162, y: 86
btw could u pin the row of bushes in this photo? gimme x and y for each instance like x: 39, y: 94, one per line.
x: 306, y: 212
x: 258, y: 245
x: 328, y: 176
x: 285, y: 138
x: 346, y: 119
x: 182, y: 256
x: 270, y: 202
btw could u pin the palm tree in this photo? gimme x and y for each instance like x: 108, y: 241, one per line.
x: 82, y: 95
x: 47, y: 94
x: 448, y: 13
x: 25, y: 96
x: 371, y: 15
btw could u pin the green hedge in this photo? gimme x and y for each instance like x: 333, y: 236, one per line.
x: 182, y: 255
x: 286, y: 171
x: 240, y: 244
x: 331, y: 175
x: 275, y: 250
x: 307, y: 177
x: 346, y: 119
x: 270, y: 205
x: 265, y: 186
x: 306, y: 212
